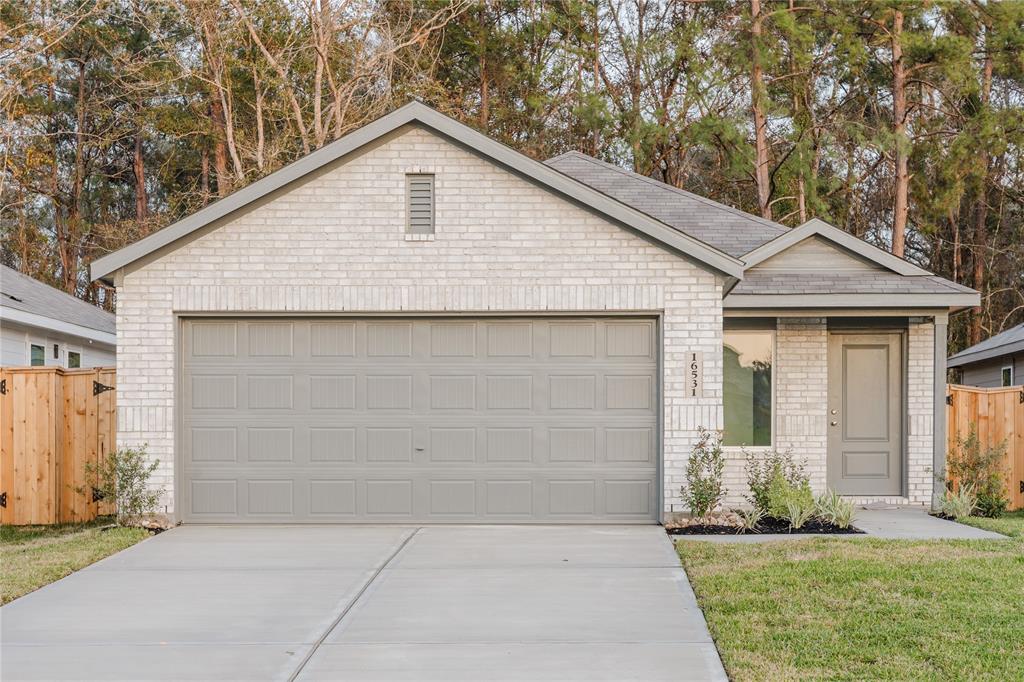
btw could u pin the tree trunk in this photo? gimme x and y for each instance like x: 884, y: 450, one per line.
x: 899, y: 120
x: 220, y: 151
x: 139, y: 169
x: 761, y: 167
x: 981, y: 205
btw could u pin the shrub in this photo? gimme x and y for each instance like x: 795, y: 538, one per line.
x: 763, y: 469
x: 123, y: 477
x: 833, y: 508
x: 703, y: 491
x: 784, y: 495
x: 959, y: 504
x: 981, y: 468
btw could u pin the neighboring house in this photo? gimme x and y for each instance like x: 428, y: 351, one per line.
x: 998, y: 361
x: 43, y: 326
x: 417, y: 323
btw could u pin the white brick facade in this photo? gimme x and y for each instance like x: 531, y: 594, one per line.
x: 336, y: 243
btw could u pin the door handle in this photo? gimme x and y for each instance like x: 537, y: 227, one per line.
x: 834, y: 423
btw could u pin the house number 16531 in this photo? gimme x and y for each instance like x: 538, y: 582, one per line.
x: 694, y: 374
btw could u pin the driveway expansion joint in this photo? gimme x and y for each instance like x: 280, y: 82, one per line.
x: 344, y: 612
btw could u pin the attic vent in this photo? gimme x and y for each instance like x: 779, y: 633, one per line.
x: 419, y: 203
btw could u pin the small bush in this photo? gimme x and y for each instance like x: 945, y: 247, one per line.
x: 749, y: 519
x: 833, y: 508
x: 123, y: 477
x: 763, y: 469
x: 784, y: 496
x: 799, y: 512
x: 982, y: 470
x: 959, y: 504
x: 703, y: 491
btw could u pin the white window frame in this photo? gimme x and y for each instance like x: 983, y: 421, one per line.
x: 774, y: 389
x: 36, y: 345
x: 1003, y: 369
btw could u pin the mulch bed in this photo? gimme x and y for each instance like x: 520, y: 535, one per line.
x: 767, y: 526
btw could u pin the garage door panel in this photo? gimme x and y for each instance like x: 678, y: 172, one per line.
x: 419, y: 420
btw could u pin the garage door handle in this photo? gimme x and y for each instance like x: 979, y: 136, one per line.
x: 419, y: 449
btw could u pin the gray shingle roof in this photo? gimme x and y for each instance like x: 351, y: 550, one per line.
x: 1003, y: 343
x: 723, y: 227
x: 880, y: 282
x: 21, y: 292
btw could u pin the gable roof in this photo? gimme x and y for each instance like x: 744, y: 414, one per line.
x: 1003, y: 343
x: 817, y: 227
x: 416, y: 113
x: 896, y: 283
x: 725, y: 228
x: 29, y: 301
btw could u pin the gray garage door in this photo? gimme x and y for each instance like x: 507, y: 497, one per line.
x: 428, y: 420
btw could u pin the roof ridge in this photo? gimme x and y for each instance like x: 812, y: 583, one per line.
x: 672, y: 188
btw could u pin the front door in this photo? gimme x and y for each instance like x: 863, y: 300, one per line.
x: 865, y: 413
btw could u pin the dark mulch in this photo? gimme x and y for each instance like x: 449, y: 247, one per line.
x: 767, y: 526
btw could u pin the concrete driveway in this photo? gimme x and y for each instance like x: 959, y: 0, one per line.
x: 369, y: 603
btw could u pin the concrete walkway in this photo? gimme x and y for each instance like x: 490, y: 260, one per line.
x: 369, y: 603
x: 899, y: 523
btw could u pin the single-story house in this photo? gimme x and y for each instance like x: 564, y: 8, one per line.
x: 42, y: 326
x: 997, y: 361
x: 418, y: 323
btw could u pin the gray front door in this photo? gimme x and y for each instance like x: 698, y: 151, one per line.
x: 865, y: 413
x: 427, y: 420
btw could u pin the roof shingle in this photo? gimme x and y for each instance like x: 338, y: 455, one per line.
x: 21, y: 292
x: 722, y: 227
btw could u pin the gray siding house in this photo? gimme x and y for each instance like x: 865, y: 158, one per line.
x: 995, y: 362
x: 44, y: 327
x: 417, y: 323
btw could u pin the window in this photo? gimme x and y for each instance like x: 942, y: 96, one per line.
x: 38, y: 356
x: 1007, y: 375
x: 74, y: 359
x: 747, y: 364
x: 419, y: 203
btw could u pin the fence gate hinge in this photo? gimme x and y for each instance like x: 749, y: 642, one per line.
x: 3, y: 386
x: 98, y: 388
x: 949, y: 399
x: 97, y: 495
x: 1021, y: 394
x: 3, y: 499
x: 1021, y: 490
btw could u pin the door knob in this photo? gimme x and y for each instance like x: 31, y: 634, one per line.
x: 835, y: 412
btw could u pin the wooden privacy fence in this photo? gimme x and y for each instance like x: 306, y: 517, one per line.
x: 53, y: 421
x: 997, y: 414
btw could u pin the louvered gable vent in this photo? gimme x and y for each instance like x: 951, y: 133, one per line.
x: 420, y: 203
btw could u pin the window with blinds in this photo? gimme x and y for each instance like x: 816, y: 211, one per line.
x: 419, y: 203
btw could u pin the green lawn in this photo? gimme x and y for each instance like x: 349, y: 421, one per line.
x: 844, y: 609
x: 1011, y: 524
x: 33, y: 556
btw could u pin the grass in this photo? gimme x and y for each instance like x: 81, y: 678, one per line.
x: 1011, y: 523
x: 34, y: 556
x: 841, y: 609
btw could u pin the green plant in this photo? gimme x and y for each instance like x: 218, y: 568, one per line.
x: 763, y: 468
x: 958, y: 504
x: 835, y: 509
x: 981, y: 468
x: 799, y: 512
x: 784, y: 495
x: 749, y: 519
x: 703, y: 491
x: 123, y: 477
